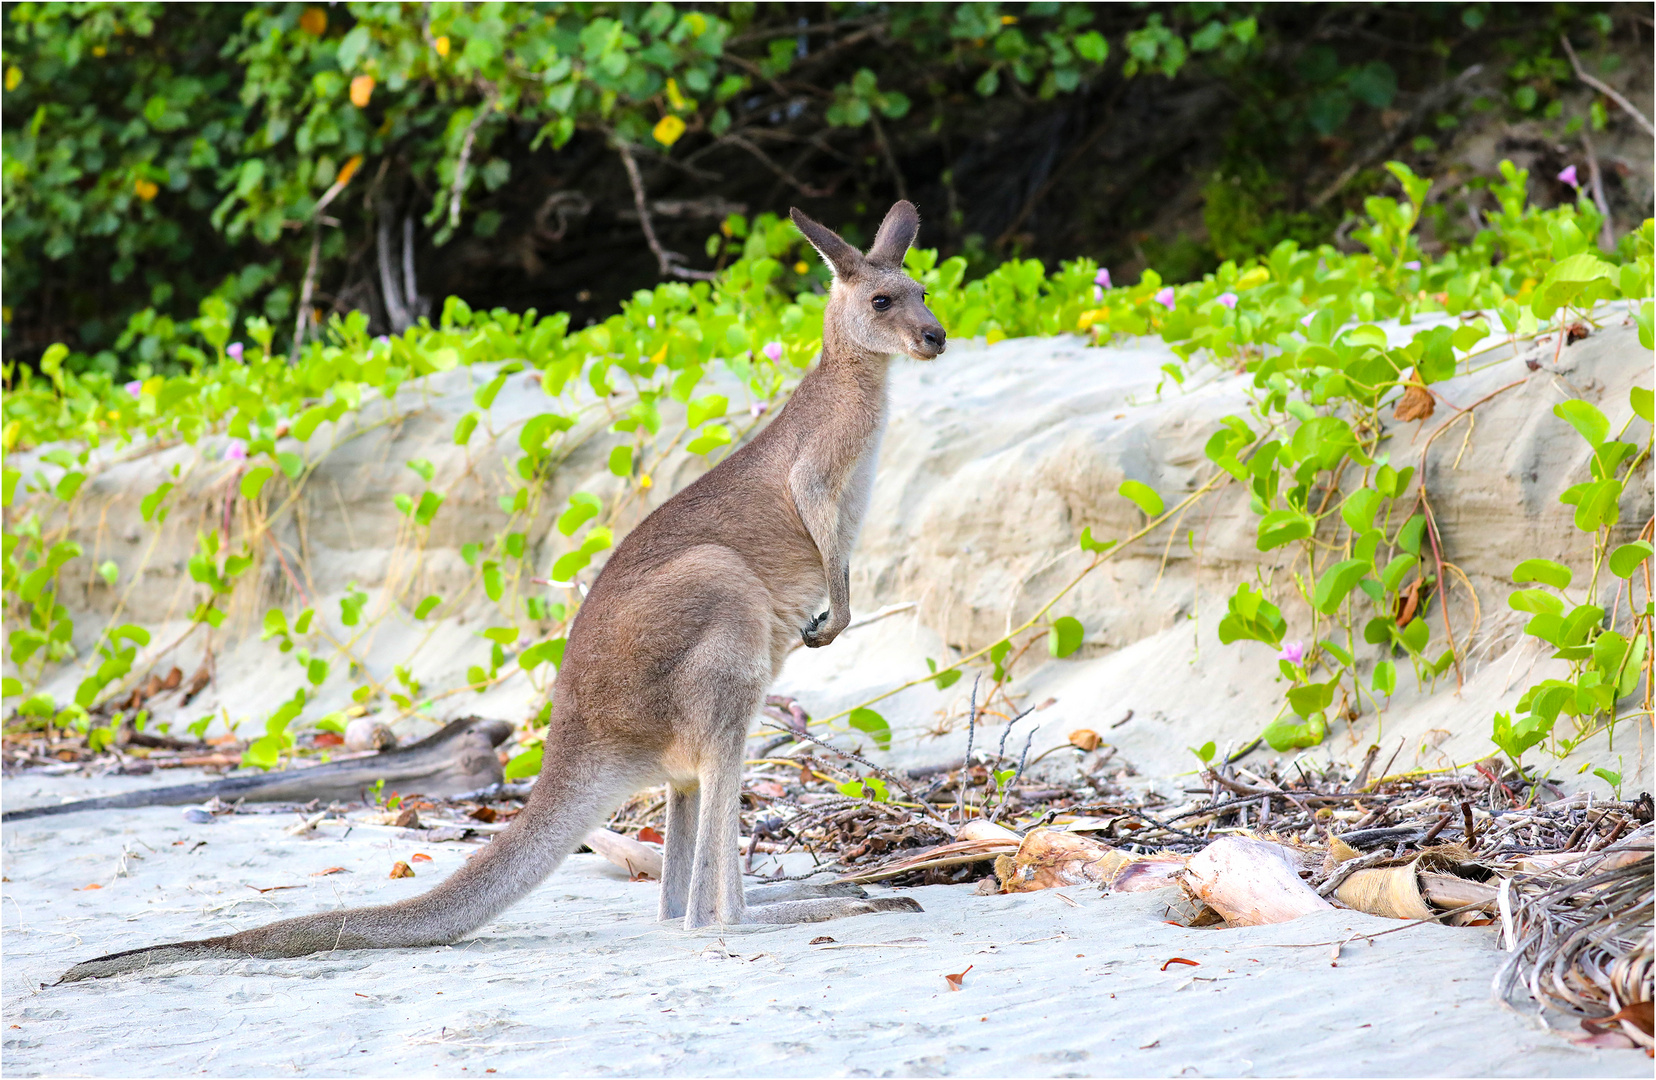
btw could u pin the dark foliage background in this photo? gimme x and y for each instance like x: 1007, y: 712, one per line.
x: 375, y: 156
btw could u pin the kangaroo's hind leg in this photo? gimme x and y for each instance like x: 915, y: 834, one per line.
x: 683, y: 805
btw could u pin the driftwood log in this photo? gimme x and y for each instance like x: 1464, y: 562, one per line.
x: 459, y: 758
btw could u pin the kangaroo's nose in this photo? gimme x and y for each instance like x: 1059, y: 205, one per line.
x: 933, y: 338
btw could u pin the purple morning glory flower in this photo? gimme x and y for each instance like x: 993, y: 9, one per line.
x: 1412, y: 264
x: 1228, y: 299
x: 773, y: 349
x: 384, y: 339
x: 1102, y: 278
x: 234, y: 351
x: 650, y: 322
x: 1165, y: 298
x: 1568, y: 176
x: 236, y: 451
x: 135, y: 387
x: 1292, y: 651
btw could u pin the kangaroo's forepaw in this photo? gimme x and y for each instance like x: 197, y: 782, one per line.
x: 819, y: 631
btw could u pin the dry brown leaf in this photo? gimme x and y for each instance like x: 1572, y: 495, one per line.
x: 329, y: 738
x: 650, y: 836
x: 1085, y: 738
x: 329, y: 870
x: 420, y: 856
x: 1181, y: 960
x: 958, y: 978
x: 401, y: 869
x: 823, y: 940
x: 1416, y: 403
x: 485, y: 814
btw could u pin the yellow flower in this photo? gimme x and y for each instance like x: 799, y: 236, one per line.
x: 645, y: 482
x: 1009, y: 20
x: 100, y: 50
x: 668, y: 129
x: 442, y: 45
x: 362, y: 88
x: 14, y: 77
x: 146, y: 189
x: 314, y: 21
x: 673, y: 94
x: 802, y: 268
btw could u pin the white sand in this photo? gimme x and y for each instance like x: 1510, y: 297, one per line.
x: 579, y: 979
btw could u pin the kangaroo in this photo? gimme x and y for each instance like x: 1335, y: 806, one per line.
x: 674, y: 647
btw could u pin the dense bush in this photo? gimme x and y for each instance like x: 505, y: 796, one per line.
x: 273, y: 153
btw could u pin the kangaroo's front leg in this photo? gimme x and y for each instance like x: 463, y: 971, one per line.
x: 819, y: 508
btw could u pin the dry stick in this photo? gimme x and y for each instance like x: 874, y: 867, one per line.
x: 459, y: 185
x: 1431, y: 520
x: 1607, y: 241
x: 782, y: 174
x: 1604, y: 88
x: 305, y: 294
x: 664, y: 258
x: 884, y: 774
x: 891, y: 159
x: 1097, y: 561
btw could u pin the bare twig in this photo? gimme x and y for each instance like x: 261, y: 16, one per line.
x: 665, y: 259
x: 884, y: 774
x: 1595, y: 183
x: 808, y: 190
x: 395, y: 311
x: 305, y: 292
x: 1604, y: 88
x: 459, y: 184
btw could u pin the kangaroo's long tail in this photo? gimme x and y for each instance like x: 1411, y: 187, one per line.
x: 571, y: 798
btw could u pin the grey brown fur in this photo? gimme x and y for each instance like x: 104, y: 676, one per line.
x: 674, y: 647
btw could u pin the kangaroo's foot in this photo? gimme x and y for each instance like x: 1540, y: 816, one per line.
x: 801, y: 890
x: 828, y: 907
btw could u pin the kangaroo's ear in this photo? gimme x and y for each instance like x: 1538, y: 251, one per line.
x: 844, y: 259
x: 897, y: 232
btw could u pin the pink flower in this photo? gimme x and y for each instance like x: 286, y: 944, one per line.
x: 1228, y: 299
x: 757, y: 409
x: 234, y: 351
x: 1412, y: 264
x: 1292, y: 651
x: 773, y: 349
x: 384, y: 339
x: 1102, y: 279
x: 135, y: 387
x: 1568, y: 176
x: 236, y: 451
x: 1165, y: 298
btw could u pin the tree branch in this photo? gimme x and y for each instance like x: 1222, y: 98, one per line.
x: 664, y: 259
x: 1604, y: 88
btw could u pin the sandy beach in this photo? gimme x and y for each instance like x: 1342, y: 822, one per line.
x: 580, y: 979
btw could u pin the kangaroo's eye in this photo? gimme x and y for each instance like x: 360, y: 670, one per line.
x: 881, y: 303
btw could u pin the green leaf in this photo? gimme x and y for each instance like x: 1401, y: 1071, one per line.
x: 427, y: 606
x: 620, y: 461
x: 292, y: 464
x: 867, y: 720
x: 1625, y: 559
x: 1514, y: 739
x: 152, y: 502
x: 582, y: 507
x: 1640, y: 398
x: 944, y: 680
x: 1284, y: 735
x: 1335, y: 582
x: 334, y: 722
x: 1545, y: 571
x: 1205, y: 752
x: 423, y: 468
x: 524, y: 765
x: 1408, y: 537
x: 254, y: 481
x: 305, y: 426
x: 485, y: 395
x: 1281, y: 527
x: 1312, y: 697
x: 110, y: 572
x: 463, y: 429
x: 69, y: 485
x: 1385, y: 678
x: 430, y: 503
x: 711, y: 407
x: 493, y: 586
x: 1065, y: 636
x: 1586, y: 418
x: 1097, y: 547
x: 1359, y: 507
x: 1143, y: 496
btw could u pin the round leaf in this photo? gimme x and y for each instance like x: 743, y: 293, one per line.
x: 1144, y: 496
x: 1065, y: 636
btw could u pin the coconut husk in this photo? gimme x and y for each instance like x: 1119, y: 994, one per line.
x: 1051, y: 858
x: 1432, y: 881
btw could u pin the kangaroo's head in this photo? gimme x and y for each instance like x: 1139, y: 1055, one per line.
x: 875, y: 307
